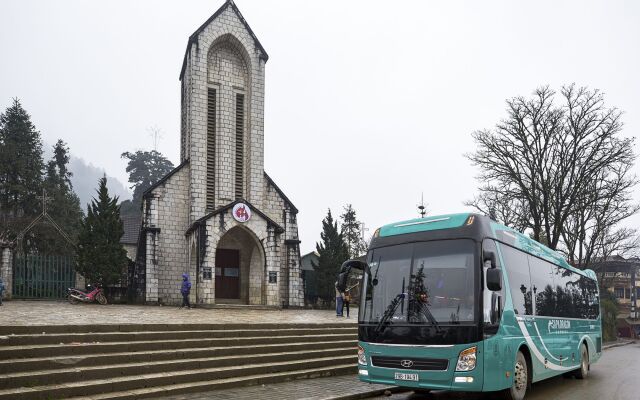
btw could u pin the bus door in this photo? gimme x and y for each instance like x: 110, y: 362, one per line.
x: 551, y: 331
x: 495, y: 348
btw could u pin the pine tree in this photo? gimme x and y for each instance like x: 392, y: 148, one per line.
x: 144, y: 168
x: 101, y: 257
x: 21, y: 169
x: 64, y: 207
x: 351, y: 231
x: 332, y: 253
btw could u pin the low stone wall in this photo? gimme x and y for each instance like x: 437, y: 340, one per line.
x: 6, y: 271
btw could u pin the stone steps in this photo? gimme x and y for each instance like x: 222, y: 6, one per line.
x: 59, y: 329
x: 113, y: 347
x: 60, y: 362
x: 90, y: 337
x: 135, y: 364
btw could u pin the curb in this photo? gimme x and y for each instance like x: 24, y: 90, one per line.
x: 397, y: 389
x: 610, y: 346
x: 370, y: 393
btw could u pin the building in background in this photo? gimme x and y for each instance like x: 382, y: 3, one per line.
x: 309, y: 277
x: 129, y: 240
x: 621, y: 277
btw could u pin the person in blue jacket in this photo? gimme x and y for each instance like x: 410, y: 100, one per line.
x: 185, y: 290
x: 1, y: 290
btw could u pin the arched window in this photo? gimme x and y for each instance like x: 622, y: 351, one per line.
x: 227, y: 110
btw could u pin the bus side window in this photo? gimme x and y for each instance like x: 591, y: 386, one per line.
x: 493, y: 301
x: 517, y: 268
x: 542, y: 285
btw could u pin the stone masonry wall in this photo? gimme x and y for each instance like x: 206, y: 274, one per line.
x: 6, y: 270
x: 171, y: 201
x: 296, y: 290
x: 226, y: 28
x: 273, y: 205
x: 280, y: 211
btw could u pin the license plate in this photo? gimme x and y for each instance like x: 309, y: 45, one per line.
x: 406, y: 377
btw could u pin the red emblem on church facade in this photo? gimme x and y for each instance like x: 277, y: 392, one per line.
x: 241, y: 212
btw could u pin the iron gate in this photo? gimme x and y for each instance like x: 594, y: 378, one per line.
x: 37, y: 276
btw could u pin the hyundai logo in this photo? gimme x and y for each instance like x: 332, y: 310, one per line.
x: 406, y: 363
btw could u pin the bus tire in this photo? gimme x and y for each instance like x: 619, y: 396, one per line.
x: 520, y: 384
x: 583, y: 371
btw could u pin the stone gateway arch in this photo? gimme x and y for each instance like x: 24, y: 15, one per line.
x: 218, y: 216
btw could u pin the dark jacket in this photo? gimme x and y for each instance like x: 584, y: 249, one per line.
x: 186, y: 285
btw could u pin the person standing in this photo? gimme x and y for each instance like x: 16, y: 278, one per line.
x: 339, y: 301
x: 347, y: 301
x: 185, y: 290
x: 1, y: 290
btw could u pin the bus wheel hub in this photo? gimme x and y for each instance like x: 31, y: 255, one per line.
x: 520, y: 376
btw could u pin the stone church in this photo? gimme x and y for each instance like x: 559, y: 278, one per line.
x: 218, y: 216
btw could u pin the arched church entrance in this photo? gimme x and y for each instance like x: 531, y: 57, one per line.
x: 240, y: 266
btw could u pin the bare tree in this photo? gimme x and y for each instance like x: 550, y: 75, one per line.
x: 500, y: 204
x: 562, y: 171
x: 592, y: 230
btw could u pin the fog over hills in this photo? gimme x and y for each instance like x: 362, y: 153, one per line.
x: 85, y: 181
x: 85, y: 178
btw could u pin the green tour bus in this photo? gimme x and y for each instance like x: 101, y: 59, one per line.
x: 459, y: 302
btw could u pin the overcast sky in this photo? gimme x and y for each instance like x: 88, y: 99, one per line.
x: 369, y: 103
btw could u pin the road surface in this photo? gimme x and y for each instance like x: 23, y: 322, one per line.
x: 616, y: 376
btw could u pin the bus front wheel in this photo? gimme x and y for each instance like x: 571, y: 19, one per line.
x: 583, y: 371
x: 520, y: 379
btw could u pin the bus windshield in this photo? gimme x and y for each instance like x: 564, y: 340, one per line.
x: 428, y: 283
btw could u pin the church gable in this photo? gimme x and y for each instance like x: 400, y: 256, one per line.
x: 230, y: 12
x: 275, y: 193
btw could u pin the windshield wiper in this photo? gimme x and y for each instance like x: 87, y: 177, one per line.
x: 391, y: 310
x: 424, y: 310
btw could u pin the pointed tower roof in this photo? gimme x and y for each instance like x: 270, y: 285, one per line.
x: 194, y: 36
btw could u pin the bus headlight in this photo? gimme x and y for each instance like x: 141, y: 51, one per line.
x: 467, y: 359
x: 362, y: 360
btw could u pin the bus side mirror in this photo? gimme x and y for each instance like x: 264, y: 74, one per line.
x: 489, y: 256
x: 345, y: 270
x: 494, y: 279
x: 342, y: 280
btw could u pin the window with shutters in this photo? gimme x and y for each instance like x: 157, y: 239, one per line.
x: 211, y: 148
x: 239, y: 173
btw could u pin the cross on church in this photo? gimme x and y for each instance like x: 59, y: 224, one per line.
x: 45, y: 200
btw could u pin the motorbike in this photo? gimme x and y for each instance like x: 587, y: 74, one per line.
x: 96, y: 294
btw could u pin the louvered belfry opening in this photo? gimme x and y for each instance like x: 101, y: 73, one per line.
x: 239, y: 145
x: 211, y: 148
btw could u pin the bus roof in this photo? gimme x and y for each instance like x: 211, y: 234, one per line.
x: 424, y: 224
x: 497, y: 231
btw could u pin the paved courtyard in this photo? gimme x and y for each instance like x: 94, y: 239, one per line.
x: 332, y: 388
x: 63, y: 313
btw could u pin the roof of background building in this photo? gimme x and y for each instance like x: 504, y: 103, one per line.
x: 305, y: 261
x: 131, y: 225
